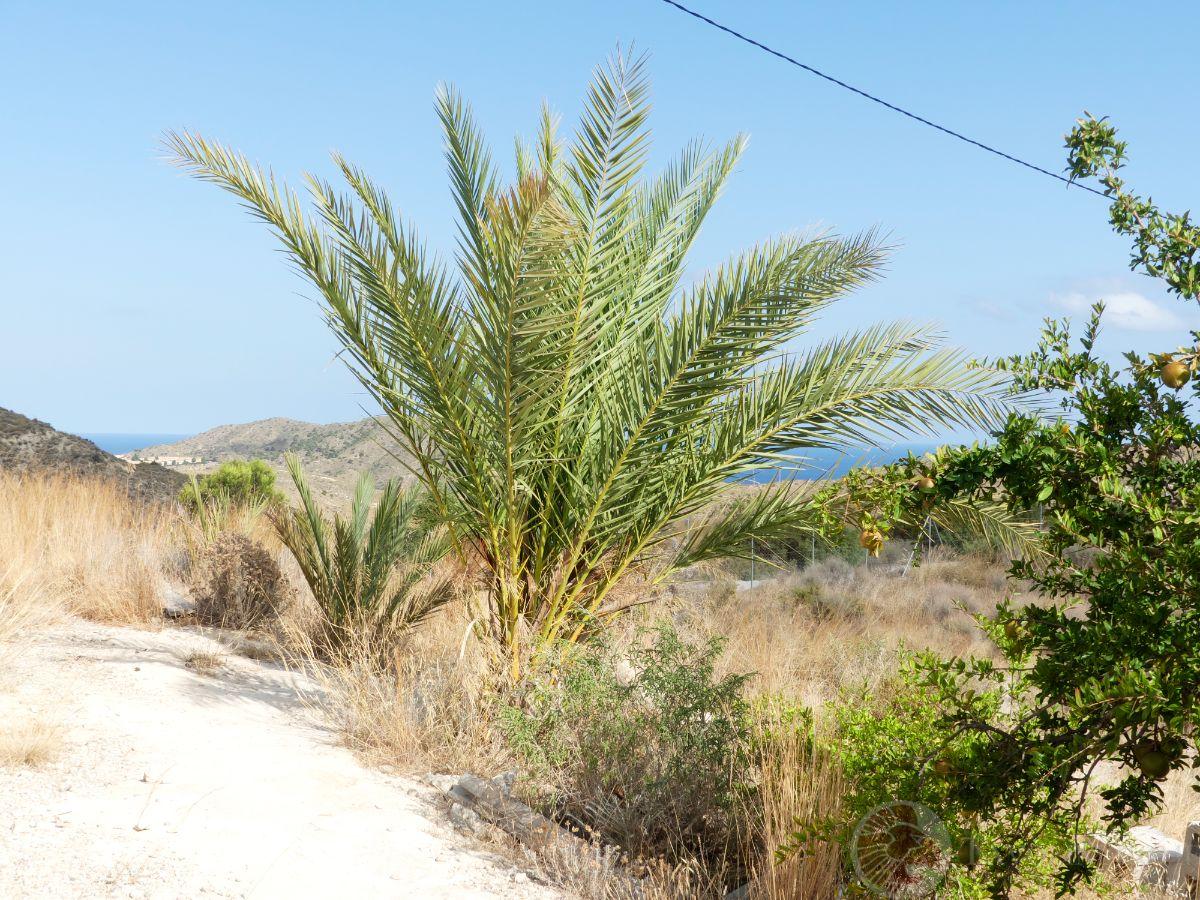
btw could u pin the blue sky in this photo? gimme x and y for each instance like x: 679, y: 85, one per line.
x: 135, y: 299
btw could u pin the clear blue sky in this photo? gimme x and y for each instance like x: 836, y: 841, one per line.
x: 135, y: 299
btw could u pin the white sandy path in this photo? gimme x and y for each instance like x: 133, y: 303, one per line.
x: 175, y: 784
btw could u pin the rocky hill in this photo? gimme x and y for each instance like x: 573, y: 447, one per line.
x: 29, y: 445
x: 332, y: 455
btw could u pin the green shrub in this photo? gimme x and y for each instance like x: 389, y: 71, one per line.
x: 238, y: 482
x: 649, y: 752
x: 893, y: 746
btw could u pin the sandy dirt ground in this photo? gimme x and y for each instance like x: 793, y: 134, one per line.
x: 172, y: 783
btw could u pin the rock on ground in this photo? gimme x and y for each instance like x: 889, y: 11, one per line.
x: 173, y: 783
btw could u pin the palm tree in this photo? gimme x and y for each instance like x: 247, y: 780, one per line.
x: 572, y: 410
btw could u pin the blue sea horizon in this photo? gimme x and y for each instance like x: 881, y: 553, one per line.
x: 126, y: 442
x: 815, y: 464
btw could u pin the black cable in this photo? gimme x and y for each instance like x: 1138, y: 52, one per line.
x: 874, y: 99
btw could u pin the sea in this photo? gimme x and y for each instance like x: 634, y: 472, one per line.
x: 813, y: 464
x: 119, y: 442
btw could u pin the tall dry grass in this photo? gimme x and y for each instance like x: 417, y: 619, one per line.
x: 83, y: 547
x: 432, y: 709
x: 24, y: 605
x: 798, y: 786
x: 810, y: 634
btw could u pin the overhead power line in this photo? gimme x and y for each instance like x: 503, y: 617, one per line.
x: 880, y: 101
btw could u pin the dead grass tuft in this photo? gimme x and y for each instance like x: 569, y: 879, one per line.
x: 257, y: 650
x: 798, y: 786
x: 204, y: 662
x: 29, y: 743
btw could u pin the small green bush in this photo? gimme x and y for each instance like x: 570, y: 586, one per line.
x: 893, y: 746
x: 238, y: 482
x: 648, y: 752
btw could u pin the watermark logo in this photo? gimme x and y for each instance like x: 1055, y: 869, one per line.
x: 901, y: 850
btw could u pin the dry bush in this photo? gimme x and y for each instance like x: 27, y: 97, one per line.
x: 83, y: 544
x: 236, y: 583
x: 29, y: 743
x: 432, y: 709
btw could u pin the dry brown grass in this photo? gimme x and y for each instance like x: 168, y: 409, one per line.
x: 204, y: 662
x: 24, y: 607
x: 797, y: 786
x: 84, y: 546
x: 31, y: 742
x: 807, y: 635
x: 431, y: 711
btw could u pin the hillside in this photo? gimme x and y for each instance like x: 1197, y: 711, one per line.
x: 29, y: 445
x: 333, y: 455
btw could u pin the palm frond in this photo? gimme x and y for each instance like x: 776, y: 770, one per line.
x: 768, y: 514
x: 992, y: 523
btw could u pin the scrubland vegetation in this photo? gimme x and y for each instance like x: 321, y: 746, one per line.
x: 685, y: 737
x: 78, y: 545
x: 554, y: 592
x: 697, y: 735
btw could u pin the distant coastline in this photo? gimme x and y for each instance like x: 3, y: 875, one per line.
x: 117, y: 443
x: 814, y: 464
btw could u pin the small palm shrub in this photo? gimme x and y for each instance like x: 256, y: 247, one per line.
x: 649, y: 753
x: 367, y: 573
x: 238, y: 482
